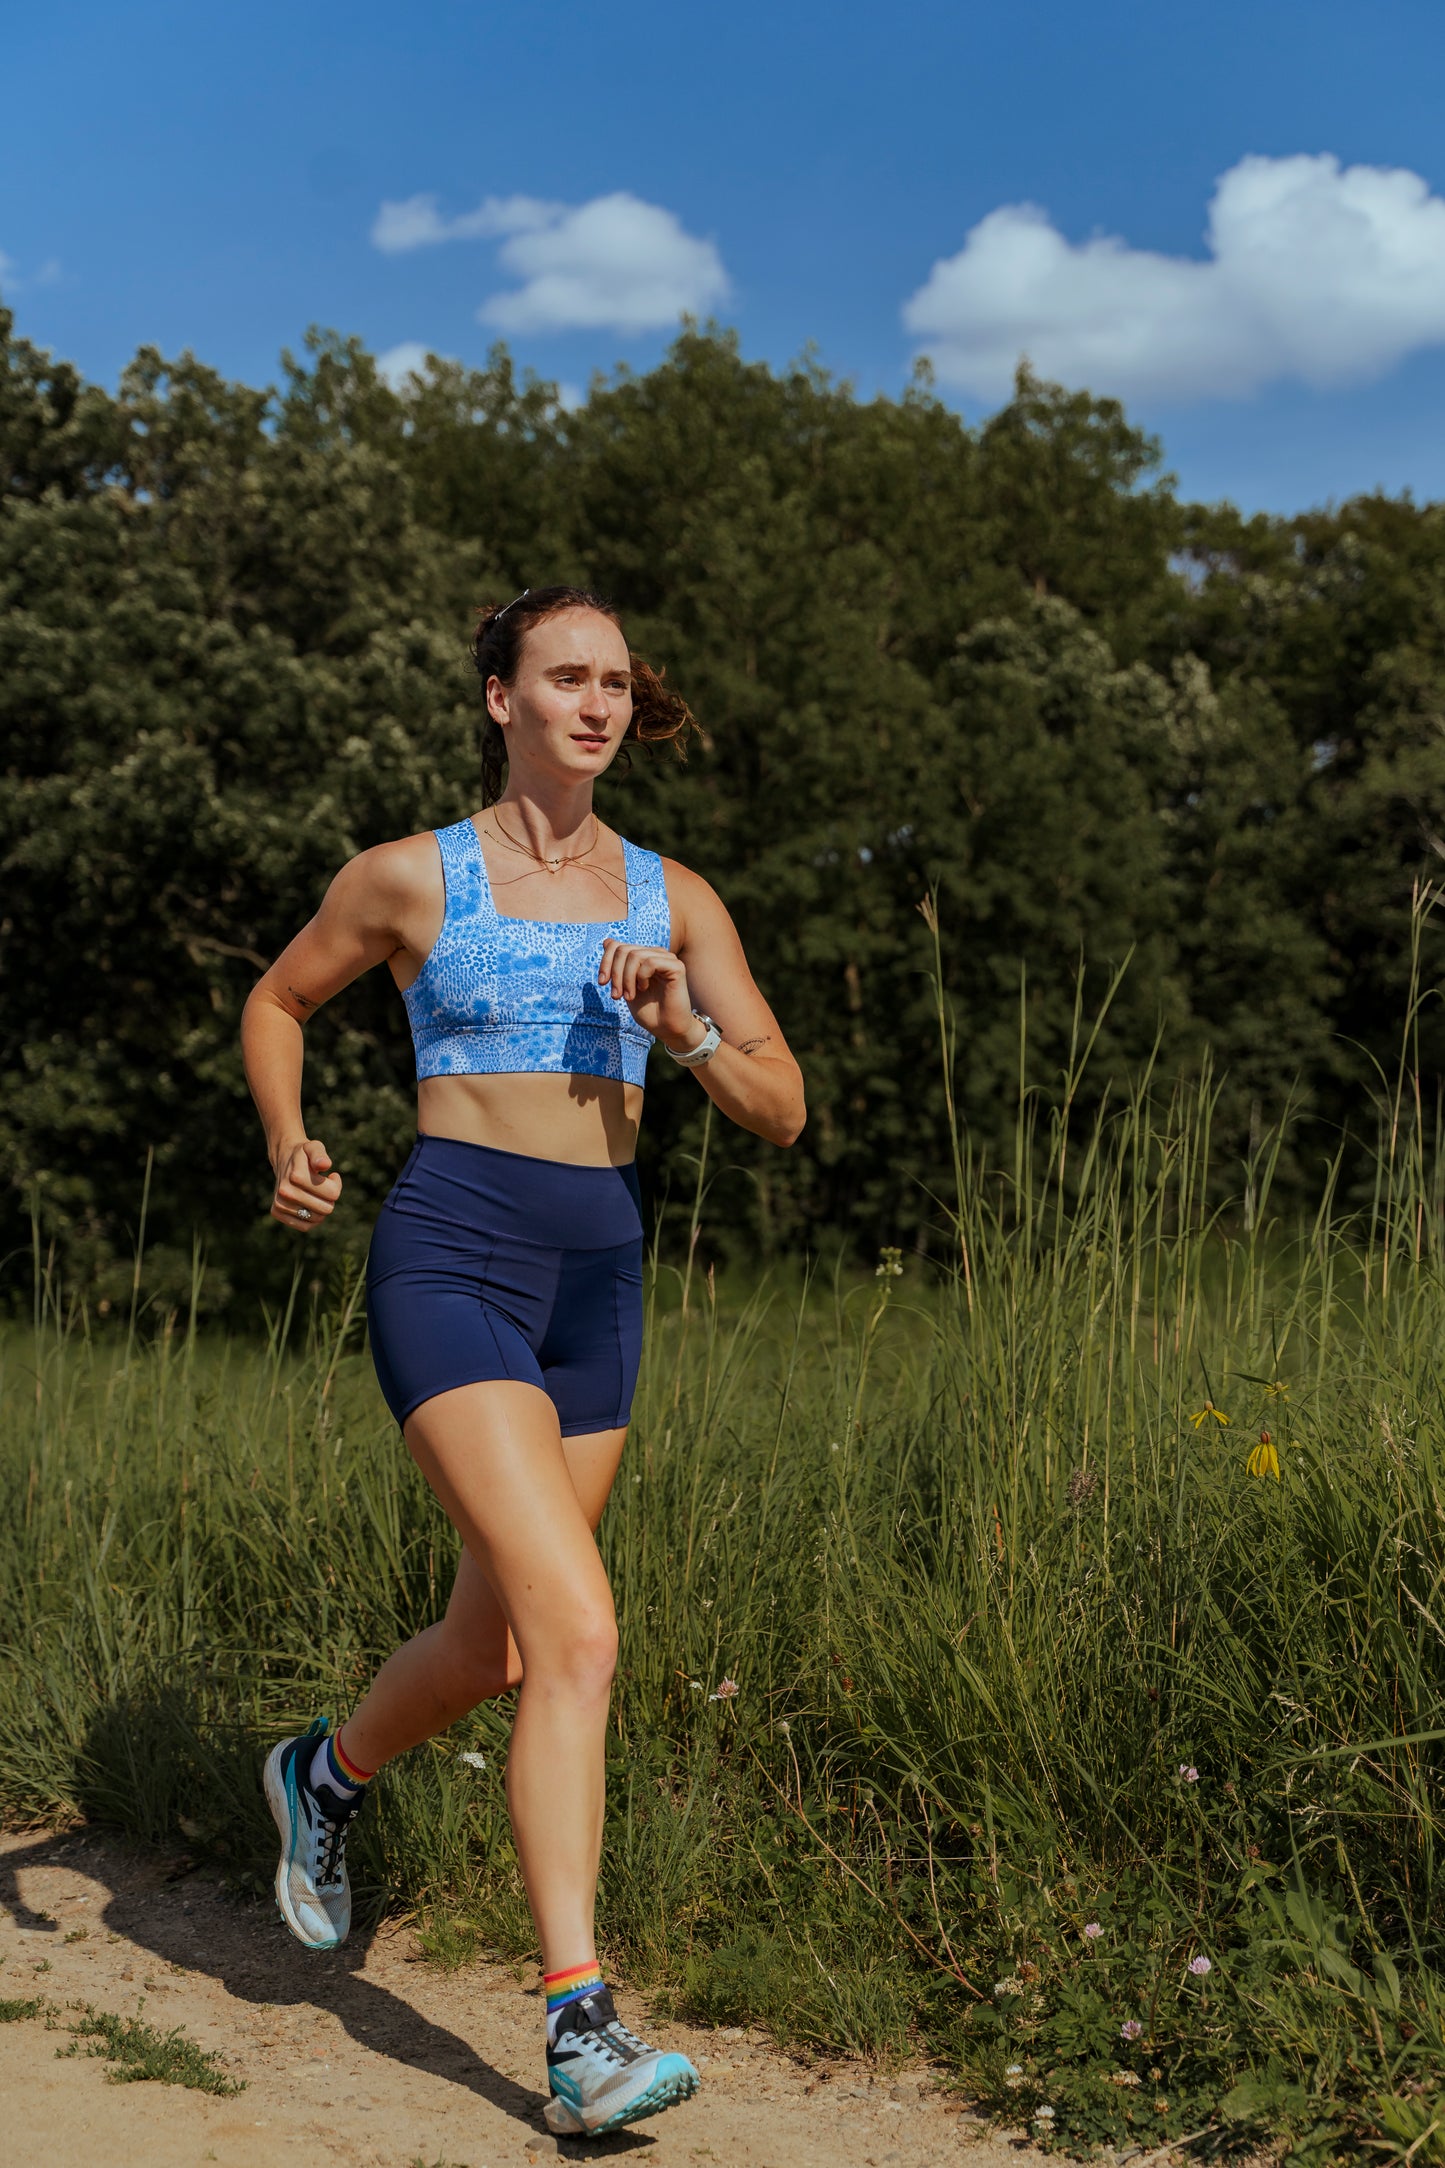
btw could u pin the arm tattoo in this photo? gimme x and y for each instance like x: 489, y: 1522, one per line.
x: 302, y: 1001
x: 748, y: 1045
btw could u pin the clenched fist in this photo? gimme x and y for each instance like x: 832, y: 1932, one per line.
x: 306, y: 1189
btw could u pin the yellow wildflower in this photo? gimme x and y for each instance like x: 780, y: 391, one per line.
x: 1277, y: 1390
x: 1264, y: 1460
x: 1201, y: 1415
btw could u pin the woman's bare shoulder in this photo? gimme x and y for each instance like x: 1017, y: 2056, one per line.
x: 685, y: 881
x: 410, y: 861
x: 387, y: 877
x: 689, y: 894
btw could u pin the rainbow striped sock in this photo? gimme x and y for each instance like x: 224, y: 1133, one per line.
x: 565, y: 1987
x: 331, y: 1764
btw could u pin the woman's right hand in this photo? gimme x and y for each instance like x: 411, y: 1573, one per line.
x: 306, y: 1192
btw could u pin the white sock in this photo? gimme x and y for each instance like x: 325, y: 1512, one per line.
x: 327, y: 1769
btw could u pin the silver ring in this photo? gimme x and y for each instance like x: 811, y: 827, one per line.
x: 302, y: 1212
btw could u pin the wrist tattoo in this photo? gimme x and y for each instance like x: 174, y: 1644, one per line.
x: 302, y: 1001
x: 749, y: 1044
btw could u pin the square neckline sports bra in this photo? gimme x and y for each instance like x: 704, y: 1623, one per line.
x: 501, y: 995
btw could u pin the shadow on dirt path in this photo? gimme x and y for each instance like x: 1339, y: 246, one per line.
x: 367, y: 2054
x: 169, y: 1920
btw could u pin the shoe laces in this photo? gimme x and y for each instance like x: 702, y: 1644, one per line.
x: 329, y: 1833
x: 623, y: 2046
x: 331, y: 1850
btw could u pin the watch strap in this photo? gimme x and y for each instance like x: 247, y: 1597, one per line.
x: 705, y: 1049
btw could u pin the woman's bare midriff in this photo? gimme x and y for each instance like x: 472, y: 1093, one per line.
x: 590, y: 1121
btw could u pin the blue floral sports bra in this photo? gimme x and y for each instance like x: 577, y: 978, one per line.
x: 518, y: 994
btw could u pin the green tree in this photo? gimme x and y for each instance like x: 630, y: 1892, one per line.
x: 212, y: 694
x: 1003, y: 663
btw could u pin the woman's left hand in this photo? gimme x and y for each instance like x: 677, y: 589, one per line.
x: 653, y: 983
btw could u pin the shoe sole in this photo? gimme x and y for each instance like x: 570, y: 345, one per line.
x: 563, y: 2120
x: 274, y: 1785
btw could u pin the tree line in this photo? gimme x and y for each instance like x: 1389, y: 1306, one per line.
x: 1004, y: 664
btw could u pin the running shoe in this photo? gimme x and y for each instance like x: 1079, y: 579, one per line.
x: 603, y: 2076
x: 312, y: 1889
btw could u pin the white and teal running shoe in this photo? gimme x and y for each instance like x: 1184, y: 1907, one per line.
x: 312, y: 1889
x: 603, y: 2076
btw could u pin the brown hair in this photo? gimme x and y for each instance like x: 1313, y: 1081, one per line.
x: 659, y: 717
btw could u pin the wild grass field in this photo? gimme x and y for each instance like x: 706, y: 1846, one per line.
x: 1038, y: 1664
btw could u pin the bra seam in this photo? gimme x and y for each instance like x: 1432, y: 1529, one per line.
x: 434, y: 950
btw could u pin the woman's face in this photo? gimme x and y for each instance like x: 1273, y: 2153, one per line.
x: 569, y: 707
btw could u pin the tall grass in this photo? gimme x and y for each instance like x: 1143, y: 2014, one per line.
x: 1054, y: 1673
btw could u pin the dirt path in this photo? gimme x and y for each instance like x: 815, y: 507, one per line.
x: 366, y: 2054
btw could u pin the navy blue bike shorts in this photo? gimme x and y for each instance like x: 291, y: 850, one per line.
x: 490, y: 1264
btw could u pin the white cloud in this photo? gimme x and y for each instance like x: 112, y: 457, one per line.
x: 616, y: 262
x: 408, y: 358
x: 417, y: 223
x: 48, y: 274
x: 399, y: 362
x: 1314, y: 272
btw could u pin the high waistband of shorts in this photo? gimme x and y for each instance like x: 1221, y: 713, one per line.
x: 479, y: 1189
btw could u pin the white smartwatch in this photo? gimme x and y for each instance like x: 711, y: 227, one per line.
x: 706, y: 1047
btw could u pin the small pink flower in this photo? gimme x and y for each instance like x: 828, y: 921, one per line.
x: 1130, y: 2029
x: 1199, y: 1966
x: 1093, y: 1931
x: 1189, y: 1774
x: 725, y: 1691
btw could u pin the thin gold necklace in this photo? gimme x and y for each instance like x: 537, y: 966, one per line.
x: 553, y: 865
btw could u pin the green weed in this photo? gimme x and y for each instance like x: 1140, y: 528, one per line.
x: 450, y: 1942
x: 139, y: 2052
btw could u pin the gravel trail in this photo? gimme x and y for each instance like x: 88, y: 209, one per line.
x: 367, y: 2054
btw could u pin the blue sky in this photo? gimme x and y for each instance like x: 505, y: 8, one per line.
x: 876, y: 181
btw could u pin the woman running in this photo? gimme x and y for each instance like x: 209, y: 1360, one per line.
x: 504, y: 1282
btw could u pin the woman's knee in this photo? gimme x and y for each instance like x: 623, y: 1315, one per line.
x: 583, y: 1658
x: 600, y: 1651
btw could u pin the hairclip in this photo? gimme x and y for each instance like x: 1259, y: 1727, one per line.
x: 496, y: 614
